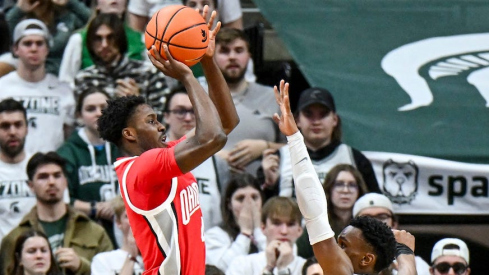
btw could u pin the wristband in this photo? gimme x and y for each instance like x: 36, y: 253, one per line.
x: 93, y: 209
x: 403, y: 249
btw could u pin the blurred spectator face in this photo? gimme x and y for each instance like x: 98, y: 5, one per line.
x: 35, y: 256
x: 317, y: 124
x: 199, y: 5
x: 345, y: 191
x: 232, y: 59
x: 104, y: 45
x: 452, y: 265
x: 180, y: 117
x: 283, y: 229
x: 123, y: 224
x: 13, y: 130
x: 48, y: 183
x: 379, y: 213
x: 32, y: 51
x: 112, y: 6
x: 243, y: 196
x: 314, y: 269
x: 92, y: 109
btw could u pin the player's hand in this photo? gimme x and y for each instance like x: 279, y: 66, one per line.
x: 404, y: 237
x: 126, y: 87
x: 245, y: 152
x: 285, y: 120
x: 286, y: 255
x: 245, y: 217
x: 67, y: 258
x: 171, y: 67
x: 27, y: 5
x: 270, y: 164
x: 211, y: 48
x: 105, y: 210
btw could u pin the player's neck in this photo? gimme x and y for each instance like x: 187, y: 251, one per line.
x: 238, y: 86
x: 12, y: 159
x: 51, y: 212
x: 31, y: 74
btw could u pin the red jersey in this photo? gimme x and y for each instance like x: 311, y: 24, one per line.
x: 163, y: 208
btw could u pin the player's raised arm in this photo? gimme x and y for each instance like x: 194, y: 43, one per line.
x: 218, y: 88
x: 310, y: 194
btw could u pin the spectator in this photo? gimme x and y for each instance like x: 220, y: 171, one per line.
x: 240, y: 232
x: 73, y: 237
x: 312, y: 267
x: 213, y: 174
x: 380, y: 207
x: 281, y: 223
x: 7, y: 61
x: 123, y: 261
x: 320, y: 125
x: 16, y: 199
x: 114, y: 72
x: 76, y: 56
x: 450, y: 256
x: 61, y: 17
x: 33, y: 255
x: 140, y: 11
x: 343, y: 185
x: 92, y: 181
x: 255, y: 104
x: 48, y: 102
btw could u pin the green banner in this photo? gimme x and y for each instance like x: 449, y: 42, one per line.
x: 408, y: 76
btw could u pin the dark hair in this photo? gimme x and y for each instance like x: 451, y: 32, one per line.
x: 236, y: 182
x: 116, y: 24
x: 178, y: 89
x: 215, y: 3
x: 228, y: 35
x: 212, y: 270
x: 4, y: 31
x: 12, y: 105
x: 85, y: 94
x: 116, y: 115
x: 337, y: 131
x: 39, y: 159
x: 281, y: 207
x: 380, y: 237
x: 17, y: 268
x: 308, y: 263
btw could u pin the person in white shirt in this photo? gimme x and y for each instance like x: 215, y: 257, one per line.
x: 281, y: 224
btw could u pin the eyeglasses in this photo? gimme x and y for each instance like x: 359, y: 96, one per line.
x: 444, y: 267
x: 341, y: 185
x: 182, y: 113
x: 380, y: 217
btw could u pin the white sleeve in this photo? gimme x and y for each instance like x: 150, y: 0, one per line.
x: 71, y: 61
x: 221, y: 250
x: 99, y: 266
x: 230, y: 10
x: 239, y: 266
x: 309, y: 191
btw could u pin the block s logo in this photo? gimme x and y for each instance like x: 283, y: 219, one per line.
x: 448, y: 56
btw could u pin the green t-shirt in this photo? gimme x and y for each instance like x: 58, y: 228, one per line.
x: 55, y: 231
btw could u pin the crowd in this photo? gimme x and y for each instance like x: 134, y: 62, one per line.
x: 63, y: 207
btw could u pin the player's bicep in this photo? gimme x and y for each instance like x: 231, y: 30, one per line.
x: 190, y: 153
x: 331, y: 258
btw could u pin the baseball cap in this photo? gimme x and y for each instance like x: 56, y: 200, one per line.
x: 30, y: 27
x: 439, y: 249
x: 372, y: 200
x: 316, y: 95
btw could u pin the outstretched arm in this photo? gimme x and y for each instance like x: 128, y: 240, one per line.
x: 310, y: 195
x: 218, y: 88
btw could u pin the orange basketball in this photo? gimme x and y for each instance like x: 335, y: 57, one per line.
x: 182, y: 29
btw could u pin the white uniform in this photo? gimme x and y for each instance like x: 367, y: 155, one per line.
x: 49, y: 105
x: 16, y: 198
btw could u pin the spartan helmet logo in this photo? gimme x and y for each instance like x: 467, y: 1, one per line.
x: 204, y: 36
x: 466, y: 55
x: 400, y: 181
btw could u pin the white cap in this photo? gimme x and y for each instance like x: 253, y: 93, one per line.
x: 438, y: 249
x: 37, y: 27
x: 372, y: 200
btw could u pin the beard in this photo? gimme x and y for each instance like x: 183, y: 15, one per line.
x: 12, y: 152
x: 49, y: 201
x: 234, y: 78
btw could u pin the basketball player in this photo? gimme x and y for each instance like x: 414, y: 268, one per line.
x: 160, y: 194
x: 366, y: 246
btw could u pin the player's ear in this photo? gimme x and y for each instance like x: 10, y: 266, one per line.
x: 129, y: 134
x: 368, y: 259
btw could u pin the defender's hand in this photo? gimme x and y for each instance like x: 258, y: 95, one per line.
x: 285, y: 120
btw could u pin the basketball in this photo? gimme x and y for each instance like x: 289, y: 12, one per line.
x: 182, y: 29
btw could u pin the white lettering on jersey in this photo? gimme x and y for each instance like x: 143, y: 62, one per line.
x: 189, y: 200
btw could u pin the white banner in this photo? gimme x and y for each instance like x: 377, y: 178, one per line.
x: 422, y: 185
